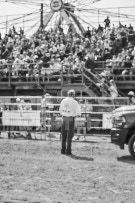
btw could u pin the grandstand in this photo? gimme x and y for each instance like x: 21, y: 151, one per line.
x: 63, y: 53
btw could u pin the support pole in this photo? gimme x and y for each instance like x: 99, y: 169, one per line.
x: 119, y: 15
x: 6, y: 24
x: 98, y: 16
x: 41, y: 19
x: 23, y: 23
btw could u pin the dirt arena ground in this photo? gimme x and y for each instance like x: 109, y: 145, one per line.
x: 33, y: 171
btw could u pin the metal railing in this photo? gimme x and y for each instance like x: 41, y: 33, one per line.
x: 35, y: 118
x: 10, y: 72
x: 96, y: 113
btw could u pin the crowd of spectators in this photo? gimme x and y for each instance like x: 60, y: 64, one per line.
x: 46, y: 53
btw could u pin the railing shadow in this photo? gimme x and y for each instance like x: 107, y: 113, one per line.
x: 126, y: 159
x: 73, y: 156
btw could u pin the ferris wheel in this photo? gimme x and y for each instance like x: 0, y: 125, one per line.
x: 75, y: 14
x: 70, y: 13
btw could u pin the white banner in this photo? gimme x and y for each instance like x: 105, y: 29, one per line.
x: 21, y: 118
x: 107, y: 120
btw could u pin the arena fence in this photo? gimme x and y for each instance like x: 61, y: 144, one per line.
x: 35, y: 118
x: 96, y: 113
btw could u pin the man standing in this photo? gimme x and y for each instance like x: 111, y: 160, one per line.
x: 69, y: 109
x: 107, y: 22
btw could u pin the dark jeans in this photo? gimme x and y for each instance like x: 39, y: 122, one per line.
x: 67, y: 134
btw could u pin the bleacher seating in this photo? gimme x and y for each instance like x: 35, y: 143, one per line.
x: 55, y: 57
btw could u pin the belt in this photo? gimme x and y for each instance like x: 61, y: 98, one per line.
x: 70, y: 118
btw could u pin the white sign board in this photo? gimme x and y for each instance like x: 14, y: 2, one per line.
x: 107, y: 120
x: 21, y: 118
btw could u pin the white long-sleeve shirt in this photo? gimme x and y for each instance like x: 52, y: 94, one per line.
x: 69, y: 107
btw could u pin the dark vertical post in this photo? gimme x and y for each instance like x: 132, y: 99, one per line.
x: 41, y: 19
x: 23, y: 23
x: 9, y: 76
x: 62, y: 79
x: 82, y: 76
x: 6, y: 24
x: 98, y: 16
x: 119, y: 15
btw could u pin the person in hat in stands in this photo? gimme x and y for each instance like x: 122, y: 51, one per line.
x: 131, y: 96
x: 69, y: 109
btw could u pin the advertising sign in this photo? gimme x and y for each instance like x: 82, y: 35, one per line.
x: 107, y: 120
x: 21, y: 118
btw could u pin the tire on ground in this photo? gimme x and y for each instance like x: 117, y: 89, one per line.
x: 131, y: 146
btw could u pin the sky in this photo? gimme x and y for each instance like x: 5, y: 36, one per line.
x: 115, y: 6
x: 119, y: 7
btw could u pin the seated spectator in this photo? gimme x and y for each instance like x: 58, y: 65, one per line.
x: 133, y: 52
x: 98, y: 52
x: 77, y: 68
x: 46, y: 58
x: 124, y: 53
x: 117, y: 70
x: 132, y: 71
x: 106, y: 73
x: 89, y: 63
x: 123, y: 34
x: 100, y: 30
x: 16, y: 66
x: 113, y: 65
x: 126, y: 65
x: 113, y: 89
x: 106, y: 54
x: 88, y: 33
x: 131, y: 29
x: 131, y: 96
x: 86, y: 44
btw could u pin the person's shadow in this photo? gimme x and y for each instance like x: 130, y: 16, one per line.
x: 126, y: 159
x: 73, y: 156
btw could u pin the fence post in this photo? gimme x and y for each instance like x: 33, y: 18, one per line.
x: 103, y: 66
x: 62, y: 79
x: 82, y: 75
x: 6, y: 24
x: 38, y: 74
x: 9, y: 77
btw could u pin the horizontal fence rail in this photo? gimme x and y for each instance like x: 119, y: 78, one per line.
x: 57, y: 71
x: 36, y: 118
x: 96, y: 113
